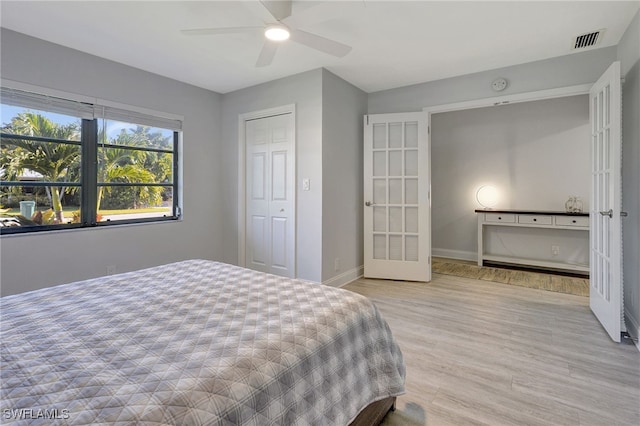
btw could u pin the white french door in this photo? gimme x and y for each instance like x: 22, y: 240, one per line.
x: 605, y: 294
x: 270, y: 192
x: 397, y: 226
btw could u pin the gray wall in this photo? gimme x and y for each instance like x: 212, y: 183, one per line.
x: 343, y: 106
x: 305, y: 91
x: 329, y: 153
x: 629, y: 56
x: 570, y: 70
x: 34, y: 261
x: 535, y: 153
x: 578, y: 68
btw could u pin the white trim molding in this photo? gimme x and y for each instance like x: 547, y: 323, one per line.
x: 633, y: 328
x: 345, y: 277
x: 455, y: 254
x: 560, y: 92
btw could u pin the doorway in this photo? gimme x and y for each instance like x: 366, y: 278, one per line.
x: 611, y: 318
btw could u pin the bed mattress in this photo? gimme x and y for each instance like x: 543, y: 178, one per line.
x: 190, y: 343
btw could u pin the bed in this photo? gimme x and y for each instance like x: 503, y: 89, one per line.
x: 196, y: 342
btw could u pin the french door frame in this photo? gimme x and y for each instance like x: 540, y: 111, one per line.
x: 560, y: 92
x: 242, y: 173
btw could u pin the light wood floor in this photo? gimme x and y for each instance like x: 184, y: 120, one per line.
x: 484, y: 353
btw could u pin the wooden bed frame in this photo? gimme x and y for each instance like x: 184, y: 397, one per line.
x: 375, y: 412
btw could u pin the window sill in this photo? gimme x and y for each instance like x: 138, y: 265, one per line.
x: 91, y: 228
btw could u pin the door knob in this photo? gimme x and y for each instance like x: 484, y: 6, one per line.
x: 607, y: 213
x: 368, y: 203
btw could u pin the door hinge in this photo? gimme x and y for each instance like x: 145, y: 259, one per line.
x: 428, y: 130
x: 367, y: 119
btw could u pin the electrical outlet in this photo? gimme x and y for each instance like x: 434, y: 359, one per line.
x: 306, y: 184
x: 555, y: 250
x: 111, y: 269
x: 336, y: 264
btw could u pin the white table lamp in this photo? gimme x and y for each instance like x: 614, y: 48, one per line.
x: 487, y: 196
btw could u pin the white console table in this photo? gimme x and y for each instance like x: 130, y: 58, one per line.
x: 531, y: 219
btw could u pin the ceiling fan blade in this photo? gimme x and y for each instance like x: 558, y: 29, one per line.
x: 266, y: 54
x: 320, y: 43
x: 279, y: 9
x: 224, y: 30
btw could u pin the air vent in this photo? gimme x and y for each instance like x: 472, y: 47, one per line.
x: 587, y: 40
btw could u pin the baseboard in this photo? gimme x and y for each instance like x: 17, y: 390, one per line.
x: 633, y: 328
x: 455, y: 254
x: 345, y: 277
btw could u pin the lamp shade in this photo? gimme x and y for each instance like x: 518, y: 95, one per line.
x: 487, y: 196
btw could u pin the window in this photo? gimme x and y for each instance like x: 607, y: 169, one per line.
x: 66, y: 164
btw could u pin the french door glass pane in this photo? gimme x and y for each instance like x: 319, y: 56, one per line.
x: 411, y: 219
x: 379, y: 219
x: 395, y: 135
x: 411, y: 191
x: 380, y: 191
x: 411, y: 162
x: 395, y: 219
x: 411, y: 248
x: 600, y: 112
x: 605, y: 151
x: 395, y: 163
x: 395, y: 191
x: 395, y: 247
x: 379, y: 136
x: 379, y: 163
x: 411, y: 135
x: 379, y: 246
x: 606, y: 107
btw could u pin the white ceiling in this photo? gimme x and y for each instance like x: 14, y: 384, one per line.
x: 395, y: 43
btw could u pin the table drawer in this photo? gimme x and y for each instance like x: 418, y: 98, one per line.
x: 534, y: 219
x: 500, y: 217
x: 581, y: 221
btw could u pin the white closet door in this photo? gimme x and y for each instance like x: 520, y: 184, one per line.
x: 270, y: 229
x: 396, y: 191
x: 605, y: 293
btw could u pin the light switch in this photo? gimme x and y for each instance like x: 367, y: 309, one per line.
x: 306, y: 184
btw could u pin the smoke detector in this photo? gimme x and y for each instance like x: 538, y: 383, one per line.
x: 591, y: 39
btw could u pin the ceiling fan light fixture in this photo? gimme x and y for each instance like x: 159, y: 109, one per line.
x: 276, y: 33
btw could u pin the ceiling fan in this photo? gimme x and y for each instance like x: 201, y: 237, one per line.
x: 281, y: 30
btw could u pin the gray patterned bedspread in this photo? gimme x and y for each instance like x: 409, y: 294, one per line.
x: 190, y: 343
